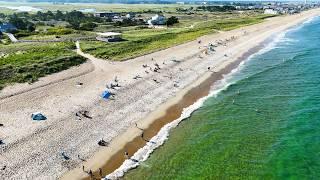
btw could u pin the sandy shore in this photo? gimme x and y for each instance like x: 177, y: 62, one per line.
x: 33, y: 150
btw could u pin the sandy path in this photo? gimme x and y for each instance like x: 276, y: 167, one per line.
x: 33, y: 150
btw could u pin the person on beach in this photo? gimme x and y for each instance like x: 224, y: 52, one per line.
x: 65, y: 156
x: 83, y: 168
x: 126, y: 155
x: 91, y: 173
x: 81, y: 158
x: 138, y: 127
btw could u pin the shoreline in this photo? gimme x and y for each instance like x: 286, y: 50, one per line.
x: 142, y: 101
x: 174, y: 109
x: 167, y: 112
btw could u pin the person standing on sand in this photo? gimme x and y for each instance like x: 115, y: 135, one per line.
x: 126, y: 155
x: 91, y: 173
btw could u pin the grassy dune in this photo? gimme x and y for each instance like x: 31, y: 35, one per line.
x: 27, y: 62
x: 140, y: 42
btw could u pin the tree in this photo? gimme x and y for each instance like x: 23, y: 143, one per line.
x: 88, y: 26
x: 74, y: 24
x: 31, y: 27
x: 172, y: 20
x: 18, y: 22
x: 59, y: 15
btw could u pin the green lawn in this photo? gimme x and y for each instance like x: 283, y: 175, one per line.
x: 144, y: 41
x: 27, y: 62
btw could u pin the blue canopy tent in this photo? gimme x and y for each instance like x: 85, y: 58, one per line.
x: 106, y: 94
x: 38, y: 116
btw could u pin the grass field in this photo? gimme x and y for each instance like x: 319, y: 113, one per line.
x: 27, y: 62
x: 97, y: 6
x: 145, y: 41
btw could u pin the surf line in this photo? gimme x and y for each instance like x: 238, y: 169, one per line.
x: 158, y: 131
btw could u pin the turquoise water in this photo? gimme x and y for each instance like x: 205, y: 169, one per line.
x: 266, y: 125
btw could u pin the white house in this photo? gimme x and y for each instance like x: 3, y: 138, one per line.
x: 157, y: 20
x: 109, y: 37
x: 270, y: 11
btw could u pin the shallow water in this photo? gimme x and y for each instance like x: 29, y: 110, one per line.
x: 265, y: 125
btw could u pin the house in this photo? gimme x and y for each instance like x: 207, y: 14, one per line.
x: 109, y: 15
x: 7, y: 27
x: 130, y: 15
x: 270, y: 11
x: 157, y: 20
x: 109, y: 37
x: 117, y: 19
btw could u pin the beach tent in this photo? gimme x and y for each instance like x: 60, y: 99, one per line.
x: 38, y: 116
x: 106, y: 94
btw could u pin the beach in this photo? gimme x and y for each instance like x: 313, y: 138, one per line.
x: 33, y: 149
x: 259, y: 122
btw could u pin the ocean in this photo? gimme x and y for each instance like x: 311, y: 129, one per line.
x: 261, y: 122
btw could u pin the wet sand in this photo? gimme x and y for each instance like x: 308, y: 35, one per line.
x: 171, y: 113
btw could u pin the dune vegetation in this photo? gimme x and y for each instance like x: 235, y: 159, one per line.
x: 144, y: 41
x: 25, y: 62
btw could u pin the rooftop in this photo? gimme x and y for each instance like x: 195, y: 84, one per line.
x: 109, y: 34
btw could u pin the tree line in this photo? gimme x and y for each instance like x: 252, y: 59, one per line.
x: 223, y: 8
x: 76, y: 19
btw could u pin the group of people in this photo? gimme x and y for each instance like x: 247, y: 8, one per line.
x: 91, y: 174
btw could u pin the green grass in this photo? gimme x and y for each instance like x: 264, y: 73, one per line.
x: 98, y: 6
x: 140, y: 42
x: 26, y: 62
